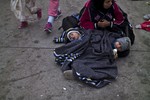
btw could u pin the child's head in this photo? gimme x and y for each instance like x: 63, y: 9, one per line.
x: 73, y: 35
x: 102, y: 4
x: 122, y: 44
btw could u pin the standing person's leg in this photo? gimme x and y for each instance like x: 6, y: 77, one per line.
x: 33, y: 8
x: 18, y: 7
x: 53, y: 12
x: 23, y: 10
x: 29, y: 8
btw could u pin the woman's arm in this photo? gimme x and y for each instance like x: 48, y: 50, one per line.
x: 85, y: 20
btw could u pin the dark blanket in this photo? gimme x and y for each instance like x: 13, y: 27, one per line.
x: 91, y: 58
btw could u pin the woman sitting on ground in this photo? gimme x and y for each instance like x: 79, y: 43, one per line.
x: 105, y: 14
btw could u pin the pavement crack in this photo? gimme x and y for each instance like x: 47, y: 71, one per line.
x: 18, y: 79
x: 26, y: 47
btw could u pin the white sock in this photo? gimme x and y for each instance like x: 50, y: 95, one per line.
x: 59, y: 9
x: 50, y: 19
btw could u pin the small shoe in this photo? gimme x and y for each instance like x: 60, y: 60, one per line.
x: 39, y: 13
x: 23, y: 24
x: 48, y: 28
x: 148, y: 3
x: 58, y: 15
x: 146, y: 17
x: 138, y: 26
x: 68, y: 74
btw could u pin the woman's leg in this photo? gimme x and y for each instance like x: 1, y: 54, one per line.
x: 30, y: 4
x: 18, y: 8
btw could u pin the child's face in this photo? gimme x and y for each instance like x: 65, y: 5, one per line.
x: 74, y: 36
x: 118, y: 46
x: 107, y: 4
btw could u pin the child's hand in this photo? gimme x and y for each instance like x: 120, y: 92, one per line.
x: 103, y: 23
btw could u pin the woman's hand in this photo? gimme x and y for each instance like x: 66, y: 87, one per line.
x: 103, y: 23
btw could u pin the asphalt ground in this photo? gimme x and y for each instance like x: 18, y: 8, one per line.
x: 28, y: 70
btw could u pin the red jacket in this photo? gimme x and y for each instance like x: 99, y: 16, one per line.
x: 90, y: 16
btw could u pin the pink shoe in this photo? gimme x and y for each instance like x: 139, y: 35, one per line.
x: 23, y: 24
x: 48, y: 28
x: 39, y: 13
